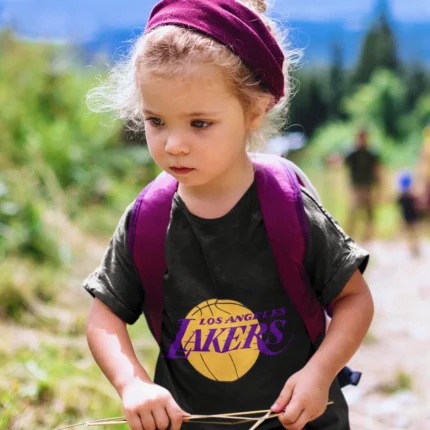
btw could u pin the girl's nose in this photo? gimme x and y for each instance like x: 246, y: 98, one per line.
x: 176, y: 145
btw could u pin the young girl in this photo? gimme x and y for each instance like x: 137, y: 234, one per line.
x: 206, y: 78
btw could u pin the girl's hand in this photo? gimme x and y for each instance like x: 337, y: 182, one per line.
x: 148, y: 406
x: 304, y: 398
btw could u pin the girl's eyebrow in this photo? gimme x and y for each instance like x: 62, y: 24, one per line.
x: 148, y: 112
x: 192, y: 114
x: 201, y: 114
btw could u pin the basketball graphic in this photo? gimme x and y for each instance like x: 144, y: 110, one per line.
x: 221, y: 338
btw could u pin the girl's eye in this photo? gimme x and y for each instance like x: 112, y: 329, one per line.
x: 201, y: 124
x: 156, y: 122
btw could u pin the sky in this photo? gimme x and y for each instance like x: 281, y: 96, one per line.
x: 81, y: 19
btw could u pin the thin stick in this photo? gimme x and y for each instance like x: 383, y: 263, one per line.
x: 111, y: 419
x: 231, y: 415
x: 220, y: 423
x: 264, y: 411
x: 71, y: 426
x: 122, y: 420
x: 260, y: 421
x: 234, y: 413
x: 268, y: 416
x: 101, y: 421
x: 192, y: 420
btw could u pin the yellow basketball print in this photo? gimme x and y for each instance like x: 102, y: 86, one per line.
x: 221, y: 339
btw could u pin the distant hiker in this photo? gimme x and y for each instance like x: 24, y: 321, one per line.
x: 408, y: 204
x: 364, y: 166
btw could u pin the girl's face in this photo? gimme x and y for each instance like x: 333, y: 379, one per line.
x: 195, y: 127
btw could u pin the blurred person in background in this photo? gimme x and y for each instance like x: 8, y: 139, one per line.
x: 423, y: 174
x: 408, y: 204
x: 364, y: 167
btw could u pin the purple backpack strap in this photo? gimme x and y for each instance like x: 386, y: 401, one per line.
x: 146, y: 238
x: 287, y: 229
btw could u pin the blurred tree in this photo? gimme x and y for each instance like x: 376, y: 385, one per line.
x: 379, y: 51
x: 380, y: 102
x: 417, y: 83
x: 421, y: 114
x: 309, y: 107
x: 336, y: 83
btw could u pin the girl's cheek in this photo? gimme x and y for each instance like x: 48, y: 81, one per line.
x: 153, y: 136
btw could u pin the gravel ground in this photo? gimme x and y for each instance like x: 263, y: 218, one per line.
x: 395, y: 389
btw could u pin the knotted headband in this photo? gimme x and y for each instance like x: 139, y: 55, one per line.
x: 233, y: 25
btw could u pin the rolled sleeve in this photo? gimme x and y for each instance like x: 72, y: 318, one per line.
x: 116, y: 282
x: 357, y: 259
x: 98, y: 290
x: 331, y: 256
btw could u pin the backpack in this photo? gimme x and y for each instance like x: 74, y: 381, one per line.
x: 278, y: 185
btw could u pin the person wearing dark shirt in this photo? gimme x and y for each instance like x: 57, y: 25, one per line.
x: 363, y: 165
x: 423, y: 175
x: 407, y: 203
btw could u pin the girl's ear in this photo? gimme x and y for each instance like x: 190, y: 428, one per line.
x: 259, y: 111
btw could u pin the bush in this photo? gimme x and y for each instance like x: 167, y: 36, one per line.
x: 23, y: 227
x: 13, y: 303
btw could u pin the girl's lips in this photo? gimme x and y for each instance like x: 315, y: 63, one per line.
x: 181, y: 170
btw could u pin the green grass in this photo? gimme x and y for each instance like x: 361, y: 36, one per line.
x: 55, y: 381
x: 24, y: 282
x: 13, y: 303
x: 401, y: 382
x: 58, y: 384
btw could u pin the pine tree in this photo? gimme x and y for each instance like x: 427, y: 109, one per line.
x: 379, y: 50
x: 309, y: 107
x: 336, y: 82
x: 417, y: 83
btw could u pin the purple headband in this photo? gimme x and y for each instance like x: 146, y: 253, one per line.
x: 235, y: 26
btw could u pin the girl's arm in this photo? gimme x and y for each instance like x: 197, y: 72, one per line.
x: 305, y: 394
x: 146, y: 405
x: 352, y: 315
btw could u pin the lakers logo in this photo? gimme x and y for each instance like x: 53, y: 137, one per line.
x: 217, y: 332
x: 222, y: 339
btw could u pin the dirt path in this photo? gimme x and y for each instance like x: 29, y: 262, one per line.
x: 397, y: 350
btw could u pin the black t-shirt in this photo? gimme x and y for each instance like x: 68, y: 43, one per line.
x: 362, y: 164
x: 230, y: 335
x: 408, y: 207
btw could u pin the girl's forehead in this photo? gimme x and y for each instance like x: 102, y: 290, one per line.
x: 195, y: 89
x: 187, y: 79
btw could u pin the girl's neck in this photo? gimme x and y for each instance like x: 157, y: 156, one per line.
x: 218, y: 197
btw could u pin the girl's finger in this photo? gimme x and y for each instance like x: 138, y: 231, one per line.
x: 175, y: 415
x: 292, y: 413
x: 147, y: 421
x: 133, y: 420
x: 300, y: 423
x: 161, y: 418
x: 284, y: 398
